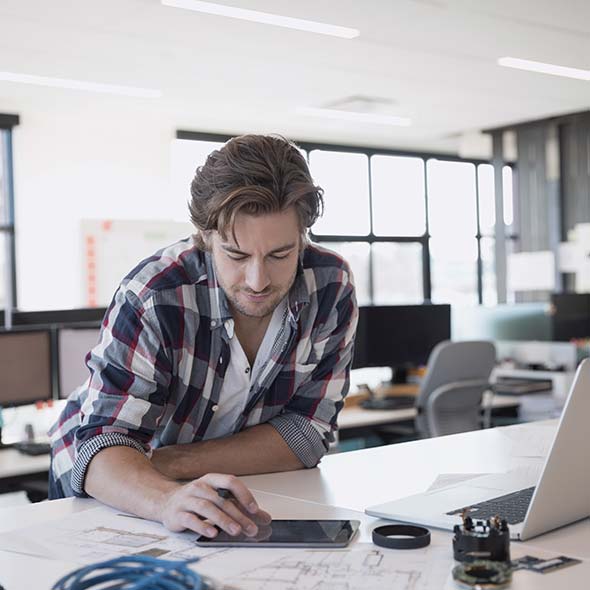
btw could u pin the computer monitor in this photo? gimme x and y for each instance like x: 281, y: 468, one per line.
x: 570, y: 316
x: 73, y: 344
x: 399, y: 336
x: 25, y: 367
x: 89, y: 316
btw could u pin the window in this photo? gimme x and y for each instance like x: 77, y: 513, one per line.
x: 375, y: 217
x: 398, y: 196
x: 413, y: 227
x: 397, y: 273
x: 345, y: 180
x: 452, y: 211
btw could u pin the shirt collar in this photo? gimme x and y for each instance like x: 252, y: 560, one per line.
x: 218, y: 303
x: 299, y: 293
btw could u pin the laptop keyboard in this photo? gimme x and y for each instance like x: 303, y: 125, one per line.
x: 512, y: 507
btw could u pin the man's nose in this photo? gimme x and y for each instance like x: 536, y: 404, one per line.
x: 257, y: 277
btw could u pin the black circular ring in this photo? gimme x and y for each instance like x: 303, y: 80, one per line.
x: 407, y: 536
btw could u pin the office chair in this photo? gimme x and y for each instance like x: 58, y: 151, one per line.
x: 451, y: 393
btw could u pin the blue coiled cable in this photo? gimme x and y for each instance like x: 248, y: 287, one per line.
x: 136, y: 572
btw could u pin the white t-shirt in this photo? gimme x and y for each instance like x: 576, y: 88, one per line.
x: 235, y: 390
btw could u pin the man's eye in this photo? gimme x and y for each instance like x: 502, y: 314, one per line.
x: 279, y: 257
x: 236, y: 257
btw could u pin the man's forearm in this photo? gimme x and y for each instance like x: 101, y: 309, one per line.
x: 126, y: 479
x: 260, y: 449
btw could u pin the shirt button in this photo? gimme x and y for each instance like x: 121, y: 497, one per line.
x: 215, y: 408
x: 213, y: 323
x: 247, y: 370
x: 221, y: 360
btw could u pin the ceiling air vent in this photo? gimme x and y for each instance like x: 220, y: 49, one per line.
x: 363, y: 104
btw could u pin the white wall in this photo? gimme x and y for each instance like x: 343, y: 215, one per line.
x: 83, y: 160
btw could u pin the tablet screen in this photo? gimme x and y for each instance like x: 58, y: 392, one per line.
x: 292, y: 532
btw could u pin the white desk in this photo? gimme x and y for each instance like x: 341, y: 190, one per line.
x: 362, y: 478
x: 341, y: 488
x: 358, y: 479
x: 358, y: 417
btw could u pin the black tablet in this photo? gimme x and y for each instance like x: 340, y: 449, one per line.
x: 290, y: 533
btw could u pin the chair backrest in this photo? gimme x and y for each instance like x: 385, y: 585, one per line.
x: 450, y: 396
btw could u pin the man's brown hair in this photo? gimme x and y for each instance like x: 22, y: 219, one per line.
x: 257, y: 175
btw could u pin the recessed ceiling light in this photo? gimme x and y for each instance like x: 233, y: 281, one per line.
x: 266, y: 18
x: 544, y: 68
x: 80, y: 85
x: 357, y: 117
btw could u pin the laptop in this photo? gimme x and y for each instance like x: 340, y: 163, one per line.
x: 532, y: 505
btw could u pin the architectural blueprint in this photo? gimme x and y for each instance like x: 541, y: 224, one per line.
x: 363, y: 566
x: 99, y: 534
x: 103, y: 533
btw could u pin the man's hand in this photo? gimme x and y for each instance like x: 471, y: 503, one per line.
x: 123, y: 478
x: 198, y: 507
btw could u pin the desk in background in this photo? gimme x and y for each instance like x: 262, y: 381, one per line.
x: 354, y: 416
x: 356, y: 422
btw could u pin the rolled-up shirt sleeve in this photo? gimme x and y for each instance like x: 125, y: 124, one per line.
x: 309, y: 420
x: 130, y: 375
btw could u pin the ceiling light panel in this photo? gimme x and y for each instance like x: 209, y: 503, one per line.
x: 356, y: 117
x: 79, y: 85
x: 544, y: 68
x: 266, y: 18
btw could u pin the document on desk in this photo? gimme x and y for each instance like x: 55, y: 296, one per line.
x: 531, y: 441
x: 103, y: 533
x: 98, y: 534
x: 363, y: 565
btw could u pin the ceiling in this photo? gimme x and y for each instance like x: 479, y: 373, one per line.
x: 431, y: 60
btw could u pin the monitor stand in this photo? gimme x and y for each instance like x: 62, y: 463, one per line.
x: 399, y: 374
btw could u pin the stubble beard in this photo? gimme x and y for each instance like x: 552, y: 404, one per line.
x: 276, y: 295
x: 262, y: 311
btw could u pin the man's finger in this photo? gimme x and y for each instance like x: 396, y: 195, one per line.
x: 206, y: 509
x: 192, y: 522
x: 242, y: 494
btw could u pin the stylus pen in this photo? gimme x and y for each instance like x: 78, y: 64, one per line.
x: 228, y: 495
x: 225, y: 494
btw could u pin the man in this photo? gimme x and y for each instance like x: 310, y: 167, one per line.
x: 226, y: 352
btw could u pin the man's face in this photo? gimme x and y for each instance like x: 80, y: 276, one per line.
x: 257, y: 271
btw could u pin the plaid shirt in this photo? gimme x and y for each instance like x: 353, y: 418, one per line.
x: 157, y: 371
